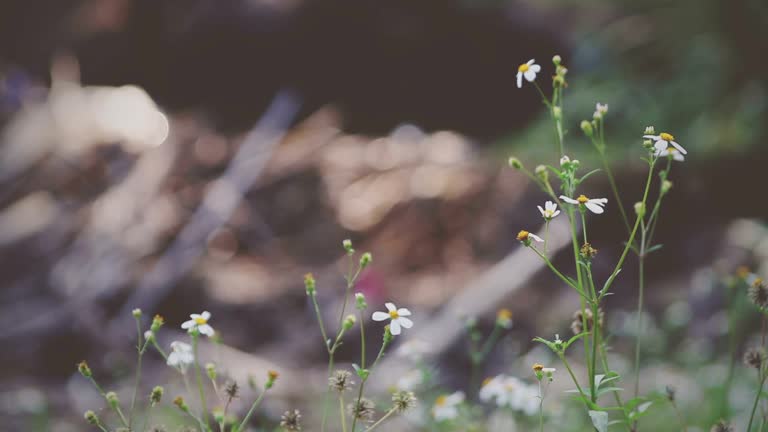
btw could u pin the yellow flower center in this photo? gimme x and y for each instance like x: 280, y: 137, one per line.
x: 582, y: 199
x: 524, y: 67
x: 666, y: 137
x: 394, y: 315
x: 538, y: 367
x: 486, y: 382
x: 522, y: 235
x: 201, y: 321
x: 440, y: 401
x: 504, y: 314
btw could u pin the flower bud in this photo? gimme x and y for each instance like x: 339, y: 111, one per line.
x: 561, y: 71
x: 349, y: 322
x: 347, y: 244
x: 556, y: 60
x: 639, y: 209
x: 557, y: 113
x: 650, y: 130
x: 648, y: 144
x: 309, y: 284
x: 365, y: 259
x: 91, y: 417
x: 504, y: 318
x: 179, y: 402
x: 388, y: 336
x: 84, y: 370
x: 586, y: 127
x: 542, y: 172
x: 157, y: 322
x: 515, y: 163
x: 558, y: 80
x: 271, y: 378
x: 156, y: 395
x: 558, y: 343
x: 210, y: 369
x: 564, y: 160
x: 149, y: 336
x: 218, y: 416
x: 360, y: 302
x: 112, y: 399
x: 666, y: 185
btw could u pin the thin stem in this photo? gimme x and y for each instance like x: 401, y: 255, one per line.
x: 248, y: 416
x: 541, y: 409
x: 104, y: 395
x: 327, y: 394
x: 554, y: 270
x: 616, y: 395
x: 326, y: 341
x: 614, y: 187
x: 573, y: 376
x: 546, y: 236
x: 140, y: 349
x: 381, y: 420
x: 362, y: 366
x: 584, y: 225
x: 640, y: 295
x: 341, y: 413
x: 680, y: 417
x: 199, y: 378
x: 761, y: 376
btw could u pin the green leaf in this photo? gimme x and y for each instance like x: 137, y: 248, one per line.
x: 574, y: 339
x: 609, y: 282
x: 584, y: 177
x: 605, y: 390
x: 654, y: 248
x: 599, y: 420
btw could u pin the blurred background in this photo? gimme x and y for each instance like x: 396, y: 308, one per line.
x: 189, y: 155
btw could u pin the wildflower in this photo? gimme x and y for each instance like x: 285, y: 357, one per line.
x: 754, y: 358
x: 91, y: 417
x: 271, y: 378
x: 232, y: 390
x: 291, y: 420
x: 340, y: 381
x: 663, y: 140
x: 413, y: 349
x: 549, y: 211
x: 446, y: 406
x: 157, y: 322
x: 525, y: 237
x: 397, y: 318
x: 136, y: 313
x: 564, y: 160
x: 181, y: 356
x: 540, y: 371
x: 504, y: 318
x: 758, y: 293
x: 595, y: 205
x: 156, y: 395
x: 577, y: 325
x: 558, y: 343
x: 360, y: 302
x: 510, y: 392
x: 515, y: 163
x: 587, y: 251
x: 404, y: 400
x: 600, y: 110
x: 84, y: 369
x: 112, y: 399
x: 362, y: 409
x: 199, y: 322
x: 586, y: 127
x: 669, y: 151
x: 722, y: 426
x: 365, y: 259
x: 347, y: 244
x: 527, y: 70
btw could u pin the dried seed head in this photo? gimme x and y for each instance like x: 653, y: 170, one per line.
x: 291, y: 420
x: 754, y: 358
x: 341, y: 381
x: 84, y: 369
x: 587, y: 251
x: 231, y: 389
x: 670, y: 393
x: 758, y: 293
x: 363, y: 410
x: 722, y: 426
x: 577, y: 325
x: 403, y: 400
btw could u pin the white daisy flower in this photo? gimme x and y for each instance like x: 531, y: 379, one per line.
x: 502, y: 389
x: 595, y: 205
x: 181, y: 356
x: 526, y: 237
x: 669, y: 151
x: 663, y: 140
x: 199, y: 322
x: 526, y: 400
x: 396, y: 316
x: 410, y: 381
x: 527, y: 70
x: 446, y: 406
x: 600, y: 110
x: 549, y: 211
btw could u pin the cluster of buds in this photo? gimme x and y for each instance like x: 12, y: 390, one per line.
x: 156, y: 395
x: 504, y: 318
x: 560, y: 71
x: 210, y: 370
x: 542, y: 372
x: 181, y: 404
x: 587, y: 251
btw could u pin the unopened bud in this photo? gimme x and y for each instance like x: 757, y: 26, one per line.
x: 91, y: 417
x: 309, y: 284
x: 586, y: 127
x: 640, y: 209
x: 349, y: 322
x: 157, y: 322
x: 136, y: 313
x: 557, y: 113
x: 650, y: 130
x: 271, y: 378
x: 156, y: 395
x: 365, y: 259
x: 347, y: 244
x: 515, y: 163
x: 210, y: 369
x: 179, y: 402
x: 666, y: 185
x: 84, y: 370
x: 360, y: 302
x: 542, y: 172
x: 556, y: 60
x: 388, y: 336
x: 112, y: 399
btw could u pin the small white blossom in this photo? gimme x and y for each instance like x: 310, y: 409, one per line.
x: 527, y: 70
x: 669, y: 151
x: 181, y: 356
x: 600, y: 110
x: 148, y: 335
x: 526, y: 237
x: 396, y: 316
x: 199, y: 322
x: 446, y: 406
x: 663, y: 140
x: 595, y: 205
x: 549, y: 211
x: 564, y: 160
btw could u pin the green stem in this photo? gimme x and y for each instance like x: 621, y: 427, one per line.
x: 199, y: 378
x: 140, y: 349
x: 341, y: 413
x: 381, y: 420
x: 541, y: 409
x: 248, y: 416
x: 573, y: 376
x: 614, y: 187
x: 641, y: 289
x: 327, y: 394
x: 555, y: 270
x: 757, y: 398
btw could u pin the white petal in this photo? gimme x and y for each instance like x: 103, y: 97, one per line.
x: 535, y: 237
x: 519, y: 80
x: 594, y: 207
x: 679, y: 147
x: 206, y: 315
x: 187, y: 324
x: 678, y: 157
x: 405, y: 322
x: 653, y: 137
x: 206, y: 330
x: 195, y: 316
x: 548, y: 370
x: 530, y: 75
x: 555, y: 213
x: 535, y: 68
x: 550, y: 205
x: 530, y: 62
x: 541, y: 210
x: 601, y: 201
x: 173, y: 359
x: 568, y: 200
x: 455, y: 398
x: 390, y: 307
x: 394, y: 327
x: 403, y: 312
x: 380, y: 316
